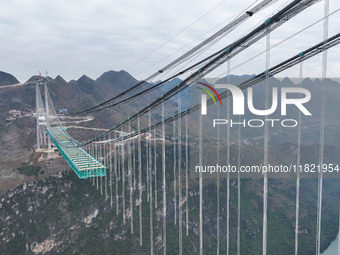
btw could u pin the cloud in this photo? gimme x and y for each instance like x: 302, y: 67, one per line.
x: 72, y: 38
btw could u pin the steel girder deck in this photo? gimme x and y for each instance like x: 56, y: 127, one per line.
x: 82, y: 163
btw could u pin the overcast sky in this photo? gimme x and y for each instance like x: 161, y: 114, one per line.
x: 72, y: 38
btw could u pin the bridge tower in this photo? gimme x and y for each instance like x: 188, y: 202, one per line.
x: 43, y: 140
x: 47, y: 111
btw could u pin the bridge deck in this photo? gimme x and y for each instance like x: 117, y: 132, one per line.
x: 82, y: 163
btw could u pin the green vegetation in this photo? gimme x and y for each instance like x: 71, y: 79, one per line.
x: 29, y: 170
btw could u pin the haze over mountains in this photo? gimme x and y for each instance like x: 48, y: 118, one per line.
x: 77, y: 95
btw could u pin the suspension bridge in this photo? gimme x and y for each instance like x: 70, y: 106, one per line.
x: 120, y: 162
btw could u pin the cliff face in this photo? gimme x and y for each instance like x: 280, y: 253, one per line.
x: 49, y: 215
x: 61, y: 214
x: 64, y: 215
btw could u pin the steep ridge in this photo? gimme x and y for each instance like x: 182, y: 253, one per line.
x: 7, y: 79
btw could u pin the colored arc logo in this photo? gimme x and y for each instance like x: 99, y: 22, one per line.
x: 209, y: 93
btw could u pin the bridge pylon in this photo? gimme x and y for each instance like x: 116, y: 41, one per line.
x: 43, y: 140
